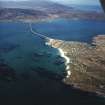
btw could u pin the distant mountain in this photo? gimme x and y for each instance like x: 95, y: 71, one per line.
x: 21, y: 14
x: 96, y: 8
x: 39, y: 4
x: 31, y: 10
x: 37, y: 10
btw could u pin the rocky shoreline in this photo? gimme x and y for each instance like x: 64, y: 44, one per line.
x: 87, y: 66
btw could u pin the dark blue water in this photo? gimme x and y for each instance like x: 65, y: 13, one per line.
x: 94, y: 8
x: 71, y: 30
x: 31, y: 72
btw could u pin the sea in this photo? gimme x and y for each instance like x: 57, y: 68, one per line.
x: 88, y: 8
x: 32, y: 73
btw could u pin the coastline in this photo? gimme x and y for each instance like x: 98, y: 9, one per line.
x: 67, y: 62
x: 48, y: 19
x: 62, y: 54
x: 88, y: 63
x: 88, y: 70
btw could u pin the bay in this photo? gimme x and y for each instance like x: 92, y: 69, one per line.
x: 34, y: 63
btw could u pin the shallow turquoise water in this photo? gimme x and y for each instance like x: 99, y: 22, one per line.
x: 28, y: 46
x: 24, y: 56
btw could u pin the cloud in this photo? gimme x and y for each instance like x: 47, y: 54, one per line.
x: 88, y: 2
x: 14, y: 0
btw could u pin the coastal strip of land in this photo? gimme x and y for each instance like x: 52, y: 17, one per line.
x: 85, y: 63
x: 67, y: 62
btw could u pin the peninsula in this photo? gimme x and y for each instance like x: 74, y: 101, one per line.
x: 85, y: 63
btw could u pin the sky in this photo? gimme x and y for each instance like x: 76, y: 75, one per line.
x: 88, y: 2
